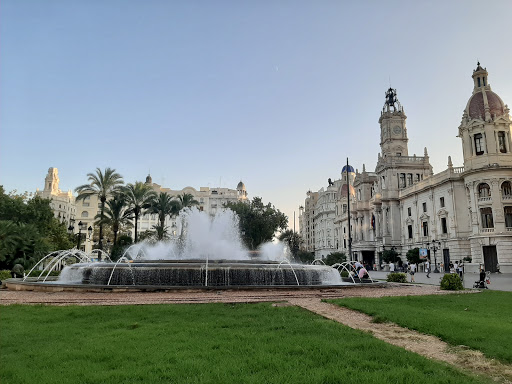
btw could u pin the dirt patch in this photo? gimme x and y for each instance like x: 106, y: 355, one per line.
x: 429, y: 346
x: 208, y: 296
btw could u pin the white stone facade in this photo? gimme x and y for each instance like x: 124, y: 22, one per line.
x: 468, y: 209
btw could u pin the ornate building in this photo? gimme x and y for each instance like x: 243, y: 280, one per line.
x: 460, y: 212
x: 62, y: 203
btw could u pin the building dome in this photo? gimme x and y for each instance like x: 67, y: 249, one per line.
x: 149, y: 180
x: 240, y: 186
x: 476, y: 106
x: 350, y: 169
x: 344, y: 190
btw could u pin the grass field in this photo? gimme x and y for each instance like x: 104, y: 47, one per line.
x: 206, y: 343
x: 481, y: 321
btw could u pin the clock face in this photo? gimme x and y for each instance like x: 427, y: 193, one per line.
x: 397, y: 130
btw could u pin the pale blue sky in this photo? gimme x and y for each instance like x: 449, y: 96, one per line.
x: 204, y: 93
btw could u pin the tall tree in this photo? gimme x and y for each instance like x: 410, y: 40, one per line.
x: 116, y: 215
x: 101, y: 184
x: 138, y: 197
x: 163, y: 205
x: 293, y: 239
x: 258, y: 221
x: 187, y: 200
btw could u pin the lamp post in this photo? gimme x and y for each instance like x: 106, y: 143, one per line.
x: 434, y: 246
x: 81, y: 226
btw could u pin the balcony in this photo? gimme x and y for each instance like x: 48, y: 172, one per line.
x: 487, y: 230
x: 485, y: 199
x: 506, y: 197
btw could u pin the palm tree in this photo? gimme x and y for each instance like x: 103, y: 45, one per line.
x: 163, y: 205
x: 116, y: 215
x: 187, y: 200
x: 139, y: 197
x: 101, y: 184
x: 160, y: 232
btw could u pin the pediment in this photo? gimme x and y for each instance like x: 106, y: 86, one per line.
x: 442, y: 212
x: 424, y: 216
x: 409, y: 221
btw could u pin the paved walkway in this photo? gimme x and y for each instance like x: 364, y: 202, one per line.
x: 499, y: 281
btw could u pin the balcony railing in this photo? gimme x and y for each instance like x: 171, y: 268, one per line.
x: 506, y: 197
x: 484, y: 199
x: 487, y: 230
x: 508, y: 229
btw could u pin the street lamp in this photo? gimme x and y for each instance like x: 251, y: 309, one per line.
x: 81, y: 226
x: 434, y: 246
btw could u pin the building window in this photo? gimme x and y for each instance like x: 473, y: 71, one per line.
x: 424, y: 207
x: 487, y: 221
x: 508, y: 217
x: 444, y: 228
x: 506, y: 188
x: 425, y: 228
x: 409, y: 179
x: 402, y: 180
x: 479, y: 144
x: 409, y: 211
x: 409, y: 230
x: 417, y: 177
x: 85, y: 214
x: 501, y: 142
x: 441, y: 202
x: 484, y: 190
x: 478, y: 81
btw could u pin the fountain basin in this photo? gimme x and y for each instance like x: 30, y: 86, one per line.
x: 198, y: 273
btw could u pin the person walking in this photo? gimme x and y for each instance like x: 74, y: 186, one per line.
x: 427, y: 268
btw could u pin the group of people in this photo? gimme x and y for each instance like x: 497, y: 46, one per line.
x: 455, y: 267
x: 360, y: 270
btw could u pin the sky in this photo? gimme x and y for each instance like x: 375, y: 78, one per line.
x: 207, y: 93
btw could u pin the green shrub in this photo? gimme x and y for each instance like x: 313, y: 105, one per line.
x: 344, y: 274
x: 397, y: 277
x: 5, y: 274
x: 335, y: 257
x: 451, y: 282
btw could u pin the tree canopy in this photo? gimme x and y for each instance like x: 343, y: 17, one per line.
x: 28, y: 230
x: 413, y: 256
x: 258, y: 221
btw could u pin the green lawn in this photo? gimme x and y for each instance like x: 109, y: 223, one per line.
x: 206, y: 343
x: 481, y: 321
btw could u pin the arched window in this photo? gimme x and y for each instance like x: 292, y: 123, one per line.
x: 85, y: 214
x: 487, y: 221
x: 506, y: 188
x: 508, y: 217
x: 484, y: 190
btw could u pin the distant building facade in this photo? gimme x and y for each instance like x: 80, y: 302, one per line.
x: 62, y: 203
x: 460, y: 212
x: 71, y: 212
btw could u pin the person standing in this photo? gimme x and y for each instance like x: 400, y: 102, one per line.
x: 391, y: 267
x: 427, y: 268
x: 456, y: 267
x: 412, y: 271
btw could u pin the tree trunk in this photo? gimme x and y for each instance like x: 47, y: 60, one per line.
x: 100, y: 244
x: 136, y: 220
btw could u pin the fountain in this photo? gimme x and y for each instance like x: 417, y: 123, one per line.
x: 209, y: 253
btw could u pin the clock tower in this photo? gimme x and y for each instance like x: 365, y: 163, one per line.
x: 393, y: 133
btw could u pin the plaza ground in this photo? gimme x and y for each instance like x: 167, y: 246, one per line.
x: 499, y: 281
